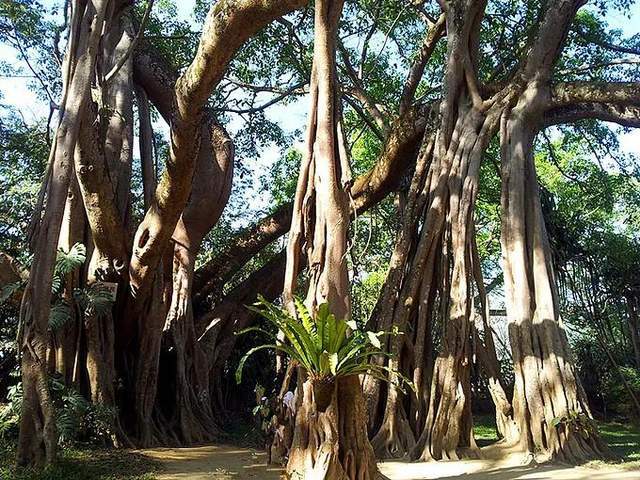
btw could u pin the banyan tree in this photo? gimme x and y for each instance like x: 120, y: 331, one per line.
x: 481, y: 82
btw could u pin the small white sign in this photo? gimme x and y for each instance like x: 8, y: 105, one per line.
x: 110, y: 287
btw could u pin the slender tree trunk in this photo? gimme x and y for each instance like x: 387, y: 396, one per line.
x: 38, y: 439
x: 65, y: 340
x: 634, y: 326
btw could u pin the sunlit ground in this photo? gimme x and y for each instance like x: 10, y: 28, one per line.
x: 222, y: 462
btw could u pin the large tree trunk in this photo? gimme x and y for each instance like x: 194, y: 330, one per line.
x: 439, y: 282
x: 103, y: 160
x: 549, y: 403
x: 210, y: 192
x: 550, y: 406
x: 329, y: 441
x: 395, y: 437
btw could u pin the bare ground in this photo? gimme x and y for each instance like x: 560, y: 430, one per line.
x: 221, y: 462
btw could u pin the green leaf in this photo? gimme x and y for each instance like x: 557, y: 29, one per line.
x: 373, y: 338
x: 256, y: 329
x: 95, y: 300
x: 305, y: 317
x: 59, y: 315
x: 340, y: 336
x: 333, y: 363
x: 67, y: 262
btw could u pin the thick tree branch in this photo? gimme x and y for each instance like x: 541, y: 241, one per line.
x: 155, y: 75
x: 550, y: 39
x: 435, y: 33
x: 627, y: 93
x: 242, y: 248
x: 611, y: 102
x: 98, y: 195
x: 228, y: 26
x: 627, y: 116
x: 122, y: 60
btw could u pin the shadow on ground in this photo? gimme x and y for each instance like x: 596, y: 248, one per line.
x: 222, y: 462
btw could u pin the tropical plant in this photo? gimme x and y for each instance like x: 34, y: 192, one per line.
x: 76, y: 417
x: 321, y: 343
x: 79, y: 419
x: 95, y: 299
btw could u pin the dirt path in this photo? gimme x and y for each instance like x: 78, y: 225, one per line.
x: 222, y: 462
x: 213, y: 462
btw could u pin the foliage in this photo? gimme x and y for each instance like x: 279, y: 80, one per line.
x: 320, y: 343
x: 23, y: 156
x: 282, y: 178
x: 77, y: 419
x: 365, y: 293
x: 616, y: 392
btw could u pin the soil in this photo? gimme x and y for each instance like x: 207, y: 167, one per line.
x: 224, y: 462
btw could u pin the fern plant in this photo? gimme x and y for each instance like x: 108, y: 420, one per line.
x: 66, y: 263
x: 76, y: 417
x: 321, y: 344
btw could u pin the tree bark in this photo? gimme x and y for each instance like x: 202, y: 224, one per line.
x: 329, y: 443
x: 546, y: 387
x: 38, y: 440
